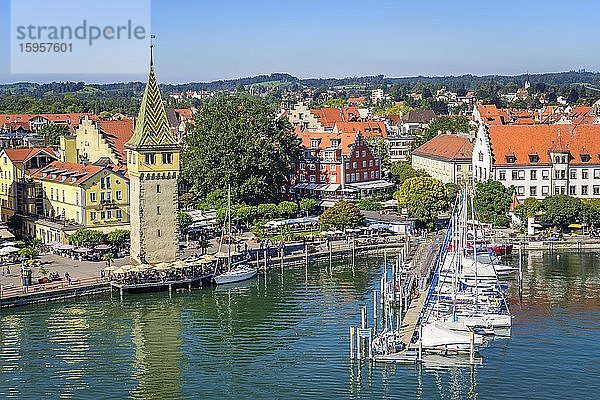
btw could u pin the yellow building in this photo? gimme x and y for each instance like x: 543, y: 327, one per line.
x: 80, y: 196
x: 96, y: 140
x: 18, y: 192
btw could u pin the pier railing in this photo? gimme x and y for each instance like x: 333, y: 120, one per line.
x: 10, y: 292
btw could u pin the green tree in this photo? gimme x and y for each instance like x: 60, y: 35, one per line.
x: 369, y: 204
x: 237, y: 140
x: 342, y: 215
x: 86, y: 237
x: 267, y: 210
x: 307, y: 205
x: 492, y: 201
x: 287, y: 209
x: 590, y: 213
x: 246, y: 213
x: 52, y: 133
x: 528, y: 208
x: 403, y: 170
x: 444, y: 124
x: 188, y: 200
x: 184, y: 220
x: 335, y: 103
x: 561, y: 210
x: 214, y: 200
x: 452, y: 189
x: 28, y: 252
x: 118, y: 237
x: 287, y: 235
x: 423, y: 197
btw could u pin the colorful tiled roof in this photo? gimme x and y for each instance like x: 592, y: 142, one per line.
x: 447, y: 147
x: 152, y: 127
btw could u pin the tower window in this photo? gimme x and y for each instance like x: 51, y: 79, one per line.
x: 150, y: 158
x: 158, y: 233
x: 157, y: 210
x: 157, y: 188
x: 167, y: 158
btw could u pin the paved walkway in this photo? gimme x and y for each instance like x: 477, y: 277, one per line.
x: 91, y: 269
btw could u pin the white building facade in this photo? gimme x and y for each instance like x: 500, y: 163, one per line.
x: 540, y: 160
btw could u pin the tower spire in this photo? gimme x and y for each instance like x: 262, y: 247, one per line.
x: 152, y: 126
x: 152, y: 37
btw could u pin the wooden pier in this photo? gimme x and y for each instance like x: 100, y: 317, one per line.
x: 422, y: 265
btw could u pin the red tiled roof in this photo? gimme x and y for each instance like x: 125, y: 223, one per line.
x: 22, y: 155
x: 346, y: 139
x: 447, y: 147
x: 184, y: 113
x: 66, y: 172
x: 328, y: 117
x: 117, y: 133
x: 367, y: 128
x: 491, y: 115
x: 71, y: 118
x: 523, y: 140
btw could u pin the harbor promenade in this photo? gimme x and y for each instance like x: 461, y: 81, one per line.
x: 87, y: 279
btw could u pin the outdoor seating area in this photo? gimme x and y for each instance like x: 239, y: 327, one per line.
x: 78, y: 253
x: 189, y: 270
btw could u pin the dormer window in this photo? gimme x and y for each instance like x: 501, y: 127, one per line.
x: 315, y: 143
x: 585, y: 158
x: 511, y: 159
x: 533, y: 158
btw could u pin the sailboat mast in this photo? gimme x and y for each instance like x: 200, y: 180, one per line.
x: 229, y: 226
x: 475, y: 250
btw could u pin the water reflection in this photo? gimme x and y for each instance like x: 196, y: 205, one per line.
x: 158, y: 343
x: 287, y: 337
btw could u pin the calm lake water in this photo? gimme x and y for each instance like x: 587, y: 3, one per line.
x: 286, y: 336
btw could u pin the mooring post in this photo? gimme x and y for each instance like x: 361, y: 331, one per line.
x: 421, y: 343
x: 281, y: 259
x: 306, y: 254
x: 266, y: 257
x: 358, y: 352
x: 382, y: 293
x: 363, y: 317
x: 472, y: 348
x: 330, y: 245
x: 375, y: 311
x: 351, y: 343
x: 370, y: 345
x: 190, y: 287
x: 121, y: 293
x: 257, y: 259
x: 170, y: 290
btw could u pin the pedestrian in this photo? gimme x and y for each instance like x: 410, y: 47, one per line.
x: 8, y: 270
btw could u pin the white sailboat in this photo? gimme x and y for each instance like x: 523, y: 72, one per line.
x: 240, y: 271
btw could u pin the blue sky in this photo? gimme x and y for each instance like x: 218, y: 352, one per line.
x: 209, y: 40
